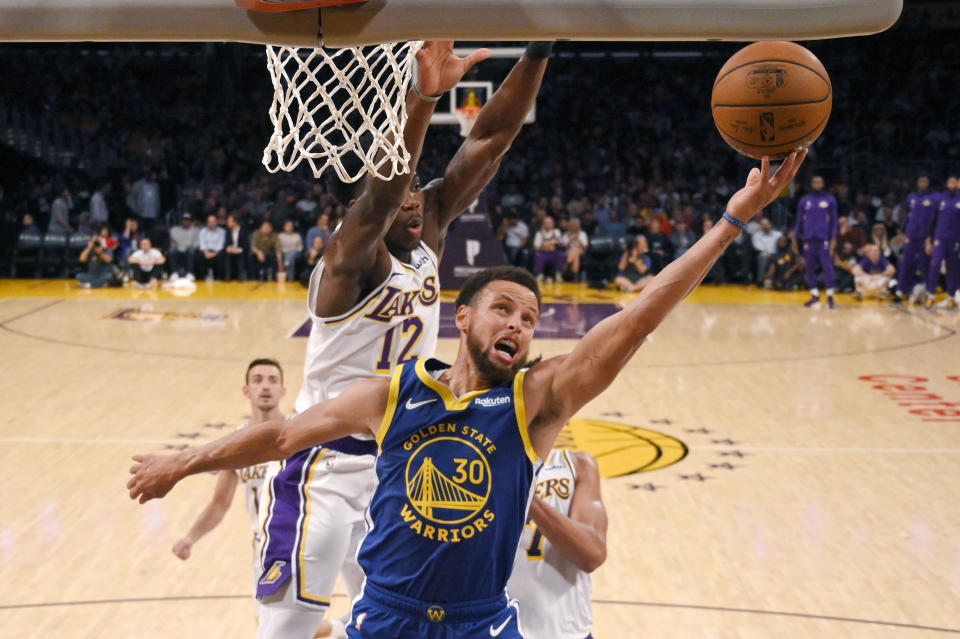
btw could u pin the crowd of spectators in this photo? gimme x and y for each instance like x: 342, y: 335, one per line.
x: 623, y: 159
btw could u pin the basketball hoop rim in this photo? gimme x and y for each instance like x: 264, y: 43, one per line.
x: 283, y: 6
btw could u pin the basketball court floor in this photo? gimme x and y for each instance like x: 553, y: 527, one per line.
x: 771, y: 470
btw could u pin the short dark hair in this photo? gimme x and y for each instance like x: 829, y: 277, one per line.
x: 479, y: 281
x: 263, y: 361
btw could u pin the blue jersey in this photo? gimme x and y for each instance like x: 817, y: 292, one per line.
x: 455, y: 478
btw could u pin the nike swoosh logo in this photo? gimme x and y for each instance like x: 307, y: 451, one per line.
x: 411, y: 404
x: 495, y: 632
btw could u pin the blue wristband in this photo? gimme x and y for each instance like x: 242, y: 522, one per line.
x: 737, y: 223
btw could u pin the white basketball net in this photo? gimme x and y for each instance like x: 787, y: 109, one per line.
x: 340, y: 108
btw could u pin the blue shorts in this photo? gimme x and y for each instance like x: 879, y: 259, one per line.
x: 380, y: 613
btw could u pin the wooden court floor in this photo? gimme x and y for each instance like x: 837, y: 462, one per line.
x: 765, y: 478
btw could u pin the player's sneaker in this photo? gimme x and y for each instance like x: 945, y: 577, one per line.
x: 830, y: 303
x: 928, y: 304
x: 951, y: 305
x: 857, y: 295
x: 812, y: 301
x: 919, y: 294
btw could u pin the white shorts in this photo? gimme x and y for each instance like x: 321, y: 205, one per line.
x: 325, y: 539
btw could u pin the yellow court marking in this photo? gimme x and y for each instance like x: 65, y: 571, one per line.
x: 621, y: 449
x: 552, y: 293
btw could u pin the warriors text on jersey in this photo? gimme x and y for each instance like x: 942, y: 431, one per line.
x: 454, y: 485
x: 322, y: 489
x: 554, y: 594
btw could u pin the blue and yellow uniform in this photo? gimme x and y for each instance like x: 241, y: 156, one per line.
x: 455, y: 478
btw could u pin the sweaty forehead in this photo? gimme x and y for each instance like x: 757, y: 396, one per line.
x: 513, y: 291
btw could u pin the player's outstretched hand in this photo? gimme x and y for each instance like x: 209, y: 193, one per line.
x: 182, y: 548
x: 153, y: 476
x: 439, y: 68
x: 762, y: 189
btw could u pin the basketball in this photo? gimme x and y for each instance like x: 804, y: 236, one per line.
x: 771, y: 98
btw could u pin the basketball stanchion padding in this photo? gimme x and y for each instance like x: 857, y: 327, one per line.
x: 343, y: 109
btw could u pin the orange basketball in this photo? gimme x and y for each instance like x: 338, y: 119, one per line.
x: 771, y: 98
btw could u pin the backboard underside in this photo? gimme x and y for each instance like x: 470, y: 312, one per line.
x: 469, y: 20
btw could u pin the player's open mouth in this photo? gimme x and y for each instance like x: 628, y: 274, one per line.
x: 415, y: 225
x: 505, y: 349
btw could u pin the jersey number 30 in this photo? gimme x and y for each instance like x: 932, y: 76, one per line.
x: 411, y: 329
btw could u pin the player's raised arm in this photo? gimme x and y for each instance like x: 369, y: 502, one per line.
x: 566, y: 383
x: 477, y: 160
x: 355, y: 259
x: 358, y: 409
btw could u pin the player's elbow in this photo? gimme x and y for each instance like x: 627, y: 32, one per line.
x: 286, y: 443
x: 593, y: 559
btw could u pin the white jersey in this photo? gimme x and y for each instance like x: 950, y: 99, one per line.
x: 554, y: 594
x: 397, y: 321
x: 254, y: 481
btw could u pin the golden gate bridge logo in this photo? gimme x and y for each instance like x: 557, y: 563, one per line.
x: 453, y: 496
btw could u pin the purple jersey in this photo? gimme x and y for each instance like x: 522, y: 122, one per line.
x: 816, y: 217
x: 921, y: 211
x: 948, y: 217
x: 872, y: 268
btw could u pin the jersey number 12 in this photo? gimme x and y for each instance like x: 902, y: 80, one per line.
x: 411, y: 329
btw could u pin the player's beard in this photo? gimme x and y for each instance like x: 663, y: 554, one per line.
x: 496, y: 375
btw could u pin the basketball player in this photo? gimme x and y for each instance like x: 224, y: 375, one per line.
x: 459, y: 446
x: 921, y: 208
x: 264, y: 389
x: 374, y: 302
x: 563, y: 542
x: 816, y: 228
x: 945, y: 246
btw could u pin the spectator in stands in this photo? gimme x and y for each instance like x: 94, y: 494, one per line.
x: 515, y: 236
x: 682, y: 238
x: 129, y: 242
x: 873, y: 276
x: 310, y: 263
x: 60, y: 213
x: 291, y: 247
x: 575, y: 242
x: 29, y: 225
x: 854, y: 234
x: 613, y: 227
x: 145, y: 264
x: 661, y: 250
x: 144, y: 199
x: 265, y: 258
x: 322, y: 227
x: 210, y: 243
x: 99, y: 260
x: 878, y: 237
x: 98, y: 205
x: 183, y: 247
x: 764, y: 242
x: 785, y: 271
x: 845, y: 259
x: 548, y: 251
x: 633, y: 271
x: 235, y: 251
